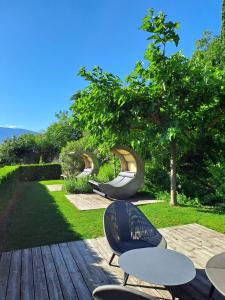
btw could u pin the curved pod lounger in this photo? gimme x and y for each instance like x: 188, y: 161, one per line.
x: 130, y: 178
x: 90, y: 162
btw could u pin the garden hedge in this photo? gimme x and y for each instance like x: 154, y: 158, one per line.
x: 11, y: 175
x: 40, y: 172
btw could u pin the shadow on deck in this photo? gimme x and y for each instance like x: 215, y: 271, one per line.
x: 72, y: 270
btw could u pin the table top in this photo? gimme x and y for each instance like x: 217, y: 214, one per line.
x: 215, y: 270
x: 158, y: 266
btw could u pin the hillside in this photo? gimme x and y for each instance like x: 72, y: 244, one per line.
x: 6, y: 132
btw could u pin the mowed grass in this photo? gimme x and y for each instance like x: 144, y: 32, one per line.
x: 41, y: 217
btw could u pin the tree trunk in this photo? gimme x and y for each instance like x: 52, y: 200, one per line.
x: 173, y: 200
x: 114, y: 164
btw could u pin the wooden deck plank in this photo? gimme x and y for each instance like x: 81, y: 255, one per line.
x: 87, y: 262
x: 27, y: 279
x: 72, y: 270
x: 54, y: 288
x: 115, y: 272
x: 76, y: 276
x: 4, y: 273
x: 13, y: 289
x: 66, y: 283
x: 40, y: 283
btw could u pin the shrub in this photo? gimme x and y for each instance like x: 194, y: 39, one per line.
x: 78, y: 185
x: 73, y: 164
x: 9, y: 177
x: 106, y: 173
x: 156, y: 177
x: 40, y: 172
x: 217, y: 180
x: 182, y: 200
x: 6, y: 172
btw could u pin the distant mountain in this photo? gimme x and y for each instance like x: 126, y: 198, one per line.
x: 6, y: 133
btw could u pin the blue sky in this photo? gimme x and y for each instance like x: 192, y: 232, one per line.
x: 45, y: 42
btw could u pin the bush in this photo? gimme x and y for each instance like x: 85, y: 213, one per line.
x: 9, y: 177
x: 106, y: 173
x: 73, y: 164
x: 156, y: 178
x: 78, y: 185
x: 182, y: 200
x: 40, y: 172
x: 217, y: 180
x: 6, y: 172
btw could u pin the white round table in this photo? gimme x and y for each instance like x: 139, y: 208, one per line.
x: 158, y: 266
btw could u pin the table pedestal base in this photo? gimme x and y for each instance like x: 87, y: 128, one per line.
x: 125, y: 278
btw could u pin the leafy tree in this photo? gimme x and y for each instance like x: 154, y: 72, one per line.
x: 70, y: 158
x: 44, y: 147
x: 222, y: 34
x: 168, y: 99
x: 56, y: 136
x: 21, y: 150
x: 211, y: 49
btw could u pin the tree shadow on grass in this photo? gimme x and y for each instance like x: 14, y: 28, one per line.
x: 213, y: 210
x: 36, y: 219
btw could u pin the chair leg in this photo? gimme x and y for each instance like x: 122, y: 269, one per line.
x: 211, y: 290
x: 111, y: 259
x: 125, y: 278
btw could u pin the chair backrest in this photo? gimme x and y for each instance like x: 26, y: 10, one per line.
x: 114, y: 292
x: 123, y: 221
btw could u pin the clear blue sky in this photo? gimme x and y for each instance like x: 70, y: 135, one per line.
x: 44, y: 43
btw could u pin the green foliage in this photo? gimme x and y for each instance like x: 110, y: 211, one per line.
x: 222, y: 34
x: 95, y: 108
x: 35, y: 148
x: 70, y: 158
x: 40, y: 172
x: 170, y: 99
x: 9, y: 177
x: 161, y: 32
x: 156, y: 177
x: 182, y: 199
x: 61, y: 221
x: 211, y: 50
x: 21, y: 150
x: 78, y: 185
x: 6, y: 172
x: 106, y: 172
x: 56, y: 136
x: 217, y: 180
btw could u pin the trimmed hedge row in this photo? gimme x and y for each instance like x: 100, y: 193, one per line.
x: 40, y: 172
x: 11, y: 175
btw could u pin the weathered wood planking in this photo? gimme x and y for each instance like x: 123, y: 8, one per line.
x: 53, y: 283
x: 40, y: 283
x: 93, y: 201
x: 5, y: 262
x: 72, y: 270
x: 13, y: 288
x: 27, y: 277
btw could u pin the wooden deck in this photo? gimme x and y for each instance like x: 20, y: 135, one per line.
x: 72, y: 270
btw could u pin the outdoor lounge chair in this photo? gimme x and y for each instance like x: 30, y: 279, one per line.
x: 127, y: 228
x: 91, y: 165
x: 115, y: 292
x: 129, y: 180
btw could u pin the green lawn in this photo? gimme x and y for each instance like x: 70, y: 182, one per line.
x: 41, y: 217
